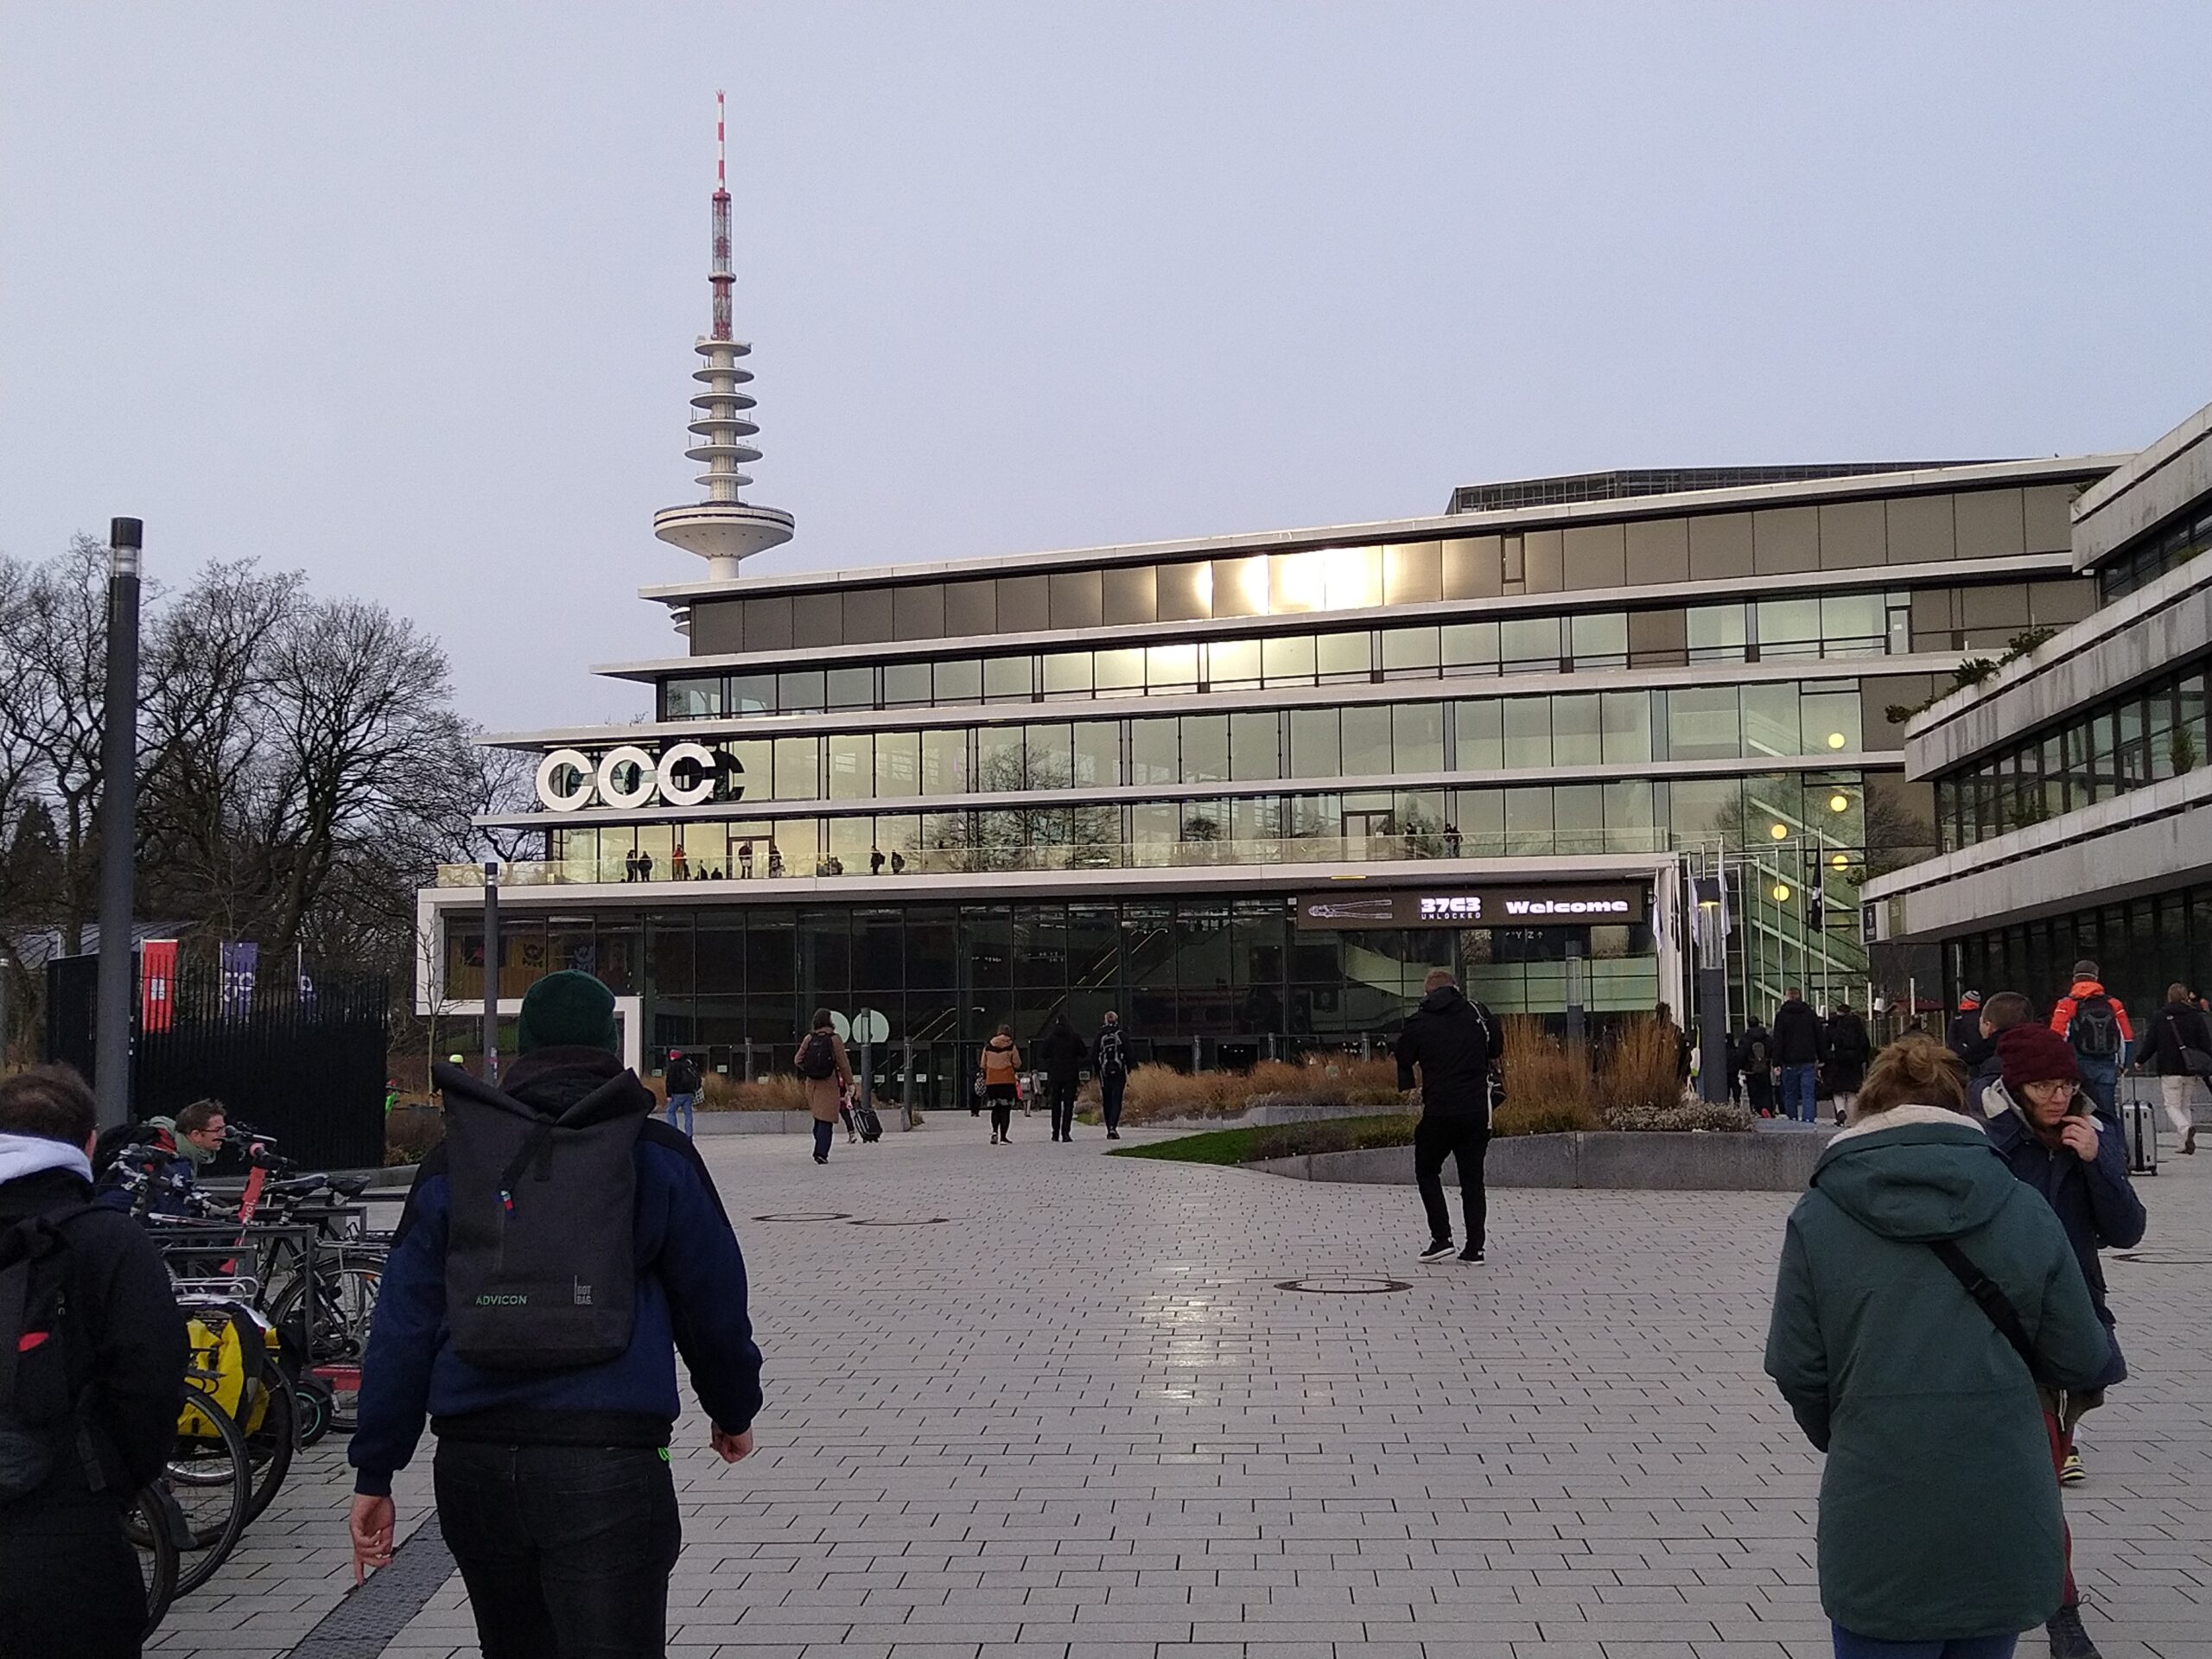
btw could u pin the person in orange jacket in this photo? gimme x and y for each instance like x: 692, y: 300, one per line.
x: 2094, y: 1022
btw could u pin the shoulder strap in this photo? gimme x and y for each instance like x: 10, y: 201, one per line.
x: 1991, y: 1300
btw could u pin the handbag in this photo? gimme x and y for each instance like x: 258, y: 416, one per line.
x: 2195, y: 1062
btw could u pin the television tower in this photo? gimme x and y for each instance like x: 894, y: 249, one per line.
x: 724, y: 528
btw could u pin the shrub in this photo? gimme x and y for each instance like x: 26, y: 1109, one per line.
x: 1545, y: 1081
x: 779, y: 1092
x: 409, y: 1132
x: 1559, y: 1117
x: 1683, y: 1116
x: 1639, y: 1072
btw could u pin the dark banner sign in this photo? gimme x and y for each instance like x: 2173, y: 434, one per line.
x: 1492, y: 905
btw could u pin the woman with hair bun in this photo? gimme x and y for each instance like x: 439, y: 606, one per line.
x: 1941, y: 1532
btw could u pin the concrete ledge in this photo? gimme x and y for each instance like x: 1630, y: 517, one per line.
x: 1301, y: 1111
x: 1687, y: 1162
x: 752, y: 1122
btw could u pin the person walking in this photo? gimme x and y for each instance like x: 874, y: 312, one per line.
x: 1061, y: 1053
x: 2181, y: 1039
x: 1456, y: 1045
x: 2051, y: 1134
x: 999, y: 1072
x: 1797, y: 1051
x: 2095, y: 1022
x: 88, y: 1405
x: 553, y: 1413
x: 1755, y: 1062
x: 1663, y: 1017
x: 1848, y: 1050
x: 1941, y: 1529
x: 1965, y: 1039
x: 1110, y: 1062
x: 827, y: 1071
x: 684, y: 1084
x: 1999, y: 1013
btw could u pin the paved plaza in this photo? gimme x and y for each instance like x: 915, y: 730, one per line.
x: 1038, y: 1404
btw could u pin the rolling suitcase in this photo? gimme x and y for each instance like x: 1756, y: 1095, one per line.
x: 2138, y: 1117
x: 871, y: 1126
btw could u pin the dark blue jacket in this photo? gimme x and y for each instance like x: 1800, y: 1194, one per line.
x: 2093, y: 1200
x: 691, y: 1298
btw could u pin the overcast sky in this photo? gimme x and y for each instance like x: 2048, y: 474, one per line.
x: 404, y: 296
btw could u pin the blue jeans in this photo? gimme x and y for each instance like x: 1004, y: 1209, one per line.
x: 1848, y: 1646
x: 564, y: 1548
x: 2099, y: 1076
x: 680, y: 1103
x: 1797, y: 1091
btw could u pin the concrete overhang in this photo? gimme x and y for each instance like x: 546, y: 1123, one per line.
x: 2145, y: 491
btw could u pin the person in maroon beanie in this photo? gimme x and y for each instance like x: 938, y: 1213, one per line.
x: 2053, y: 1136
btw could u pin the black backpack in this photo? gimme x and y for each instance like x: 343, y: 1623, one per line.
x: 541, y: 1254
x: 40, y: 1423
x: 1755, y: 1055
x: 1112, y: 1056
x: 2094, y: 1029
x: 818, y: 1058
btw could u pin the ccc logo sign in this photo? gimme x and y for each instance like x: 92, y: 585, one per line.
x: 628, y: 777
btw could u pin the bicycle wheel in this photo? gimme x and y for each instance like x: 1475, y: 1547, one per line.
x: 317, y: 1401
x: 270, y: 1445
x: 211, y: 1477
x: 147, y: 1523
x: 346, y: 1288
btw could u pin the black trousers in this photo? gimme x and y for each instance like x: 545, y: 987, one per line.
x: 69, y: 1581
x: 1062, y: 1094
x: 1465, y: 1140
x: 1002, y: 1097
x: 1110, y: 1084
x: 566, y: 1549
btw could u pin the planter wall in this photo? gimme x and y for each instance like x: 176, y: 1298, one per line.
x: 1612, y: 1159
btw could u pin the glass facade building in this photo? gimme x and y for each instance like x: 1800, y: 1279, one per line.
x: 984, y: 791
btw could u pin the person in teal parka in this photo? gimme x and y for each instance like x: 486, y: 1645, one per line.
x: 1940, y: 1522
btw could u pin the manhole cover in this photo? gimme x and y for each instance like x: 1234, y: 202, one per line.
x: 921, y: 1221
x: 1344, y: 1285
x: 825, y: 1215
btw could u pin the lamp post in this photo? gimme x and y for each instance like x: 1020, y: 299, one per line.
x: 118, y: 824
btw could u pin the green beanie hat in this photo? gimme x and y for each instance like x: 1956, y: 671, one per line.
x: 567, y: 1010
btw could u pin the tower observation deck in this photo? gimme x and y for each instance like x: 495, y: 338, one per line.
x: 725, y: 528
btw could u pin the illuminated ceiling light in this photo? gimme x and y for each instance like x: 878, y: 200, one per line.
x: 1780, y: 832
x: 1782, y: 893
x: 1835, y: 740
x: 1839, y: 803
x: 1841, y: 860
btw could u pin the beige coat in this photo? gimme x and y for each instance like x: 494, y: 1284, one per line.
x: 825, y: 1095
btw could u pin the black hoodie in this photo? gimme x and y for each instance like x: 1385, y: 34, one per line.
x: 1456, y: 1043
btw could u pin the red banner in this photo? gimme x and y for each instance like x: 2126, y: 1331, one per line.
x: 156, y: 984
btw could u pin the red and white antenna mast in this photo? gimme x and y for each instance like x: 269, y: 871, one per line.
x: 723, y: 277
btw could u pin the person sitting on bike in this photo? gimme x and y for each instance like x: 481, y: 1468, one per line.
x: 170, y: 1158
x: 92, y: 1411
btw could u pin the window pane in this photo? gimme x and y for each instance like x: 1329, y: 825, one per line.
x: 1233, y: 663
x: 1171, y: 668
x: 1342, y: 656
x: 1367, y: 740
x: 1098, y: 752
x: 852, y: 688
x: 1701, y: 724
x: 1716, y: 634
x: 852, y: 766
x: 898, y: 764
x: 1288, y: 660
x: 1479, y: 735
x: 798, y: 761
x: 1574, y: 731
x: 998, y: 757
x: 1314, y: 743
x: 1626, y: 721
x: 1120, y: 673
x: 1529, y: 821
x: 1599, y: 640
x: 1151, y: 752
x: 1353, y: 576
x: 1252, y: 745
x: 1005, y: 679
x: 1530, y: 644
x: 944, y: 762
x: 1705, y: 811
x: 1789, y: 627
x: 1578, y: 817
x: 1853, y: 625
x: 1205, y: 748
x: 1479, y: 816
x: 1410, y: 650
x: 801, y: 693
x: 1067, y: 673
x: 688, y: 699
x: 1632, y: 808
x: 1527, y: 731
x: 906, y: 685
x: 751, y: 769
x: 960, y: 681
x: 752, y: 694
x: 1830, y: 722
x: 1471, y: 645
x: 1417, y: 737
x: 1770, y: 719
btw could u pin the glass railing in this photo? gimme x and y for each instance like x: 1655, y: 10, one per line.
x: 987, y: 859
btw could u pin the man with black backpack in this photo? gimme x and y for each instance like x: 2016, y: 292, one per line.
x: 1755, y: 1062
x: 1457, y: 1045
x: 683, y: 1083
x: 2095, y: 1024
x: 557, y: 1251
x: 92, y: 1361
x: 1109, y: 1058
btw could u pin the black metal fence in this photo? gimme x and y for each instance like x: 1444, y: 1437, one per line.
x: 305, y: 1065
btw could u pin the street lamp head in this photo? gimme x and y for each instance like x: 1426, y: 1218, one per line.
x: 1780, y: 832
x: 125, y: 536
